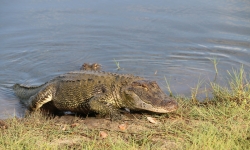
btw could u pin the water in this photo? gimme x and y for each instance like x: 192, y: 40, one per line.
x: 40, y: 39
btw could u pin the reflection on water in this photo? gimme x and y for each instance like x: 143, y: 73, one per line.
x: 176, y: 39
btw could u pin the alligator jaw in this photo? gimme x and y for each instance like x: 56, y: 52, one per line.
x: 163, y: 109
x: 168, y: 106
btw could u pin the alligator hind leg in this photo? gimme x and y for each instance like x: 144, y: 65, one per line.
x: 42, y: 97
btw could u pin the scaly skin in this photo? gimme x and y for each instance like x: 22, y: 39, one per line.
x: 98, y: 92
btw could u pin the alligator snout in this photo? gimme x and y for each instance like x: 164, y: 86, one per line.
x: 169, y: 105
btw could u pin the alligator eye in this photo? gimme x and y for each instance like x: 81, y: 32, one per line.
x: 154, y: 84
x: 130, y: 89
x: 144, y: 87
x: 136, y: 84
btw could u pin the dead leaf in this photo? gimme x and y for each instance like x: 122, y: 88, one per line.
x: 64, y: 127
x: 122, y: 127
x: 74, y: 125
x: 152, y: 120
x: 103, y: 134
x: 3, y: 125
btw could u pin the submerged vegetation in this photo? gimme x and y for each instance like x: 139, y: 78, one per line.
x: 220, y: 122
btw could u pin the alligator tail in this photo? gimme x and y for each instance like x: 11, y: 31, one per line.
x: 25, y: 92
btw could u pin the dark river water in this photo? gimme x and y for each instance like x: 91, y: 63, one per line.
x: 40, y: 39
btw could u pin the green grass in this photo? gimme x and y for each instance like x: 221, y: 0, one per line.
x: 215, y: 62
x: 222, y: 122
x: 168, y: 87
x: 117, y: 65
x: 237, y: 91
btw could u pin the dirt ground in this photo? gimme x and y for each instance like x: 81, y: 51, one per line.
x: 140, y: 128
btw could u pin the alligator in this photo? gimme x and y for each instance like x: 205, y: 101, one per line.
x: 103, y: 93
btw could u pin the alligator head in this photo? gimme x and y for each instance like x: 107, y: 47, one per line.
x: 147, y: 95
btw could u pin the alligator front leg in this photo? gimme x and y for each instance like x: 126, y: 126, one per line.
x: 104, y: 109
